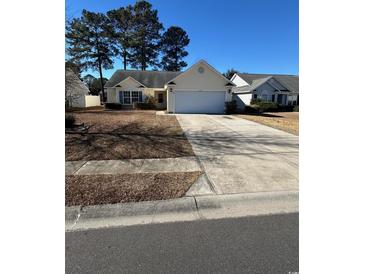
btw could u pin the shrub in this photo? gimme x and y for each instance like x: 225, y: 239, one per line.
x: 231, y: 107
x: 146, y: 105
x: 150, y: 100
x: 70, y: 121
x: 265, y: 106
x: 113, y: 106
x: 255, y: 101
x: 250, y: 110
x: 296, y: 109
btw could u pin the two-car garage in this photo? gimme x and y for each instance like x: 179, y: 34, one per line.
x: 199, y: 101
x: 200, y: 89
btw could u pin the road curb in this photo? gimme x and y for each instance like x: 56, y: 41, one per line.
x: 181, y: 209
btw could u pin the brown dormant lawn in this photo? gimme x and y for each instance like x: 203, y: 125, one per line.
x: 109, y: 189
x: 126, y: 135
x: 286, y: 121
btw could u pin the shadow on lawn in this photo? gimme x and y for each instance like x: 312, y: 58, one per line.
x: 130, y: 141
x: 264, y: 115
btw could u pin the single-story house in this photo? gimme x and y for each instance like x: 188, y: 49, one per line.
x: 282, y: 89
x: 199, y: 89
x: 77, y: 93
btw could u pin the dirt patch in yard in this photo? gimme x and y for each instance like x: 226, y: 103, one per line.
x: 286, y: 121
x: 108, y: 189
x: 127, y: 135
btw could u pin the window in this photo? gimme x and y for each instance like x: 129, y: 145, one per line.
x: 129, y: 97
x: 126, y: 97
x: 292, y: 100
x: 255, y: 96
x: 135, y: 96
x: 160, y: 98
x: 264, y: 97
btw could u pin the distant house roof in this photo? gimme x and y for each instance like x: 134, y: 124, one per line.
x: 73, y: 85
x: 291, y: 82
x: 150, y: 79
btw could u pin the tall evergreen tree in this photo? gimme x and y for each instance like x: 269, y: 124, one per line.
x: 146, y: 36
x: 173, y: 44
x: 88, y: 79
x: 89, y: 44
x: 121, y: 22
x: 95, y: 86
x: 229, y: 73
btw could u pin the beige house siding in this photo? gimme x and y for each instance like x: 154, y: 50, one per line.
x: 111, y: 95
x: 131, y: 85
x: 193, y: 80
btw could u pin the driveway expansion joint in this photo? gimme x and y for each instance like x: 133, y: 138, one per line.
x: 131, y: 166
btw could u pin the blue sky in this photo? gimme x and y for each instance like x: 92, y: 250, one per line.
x: 256, y: 36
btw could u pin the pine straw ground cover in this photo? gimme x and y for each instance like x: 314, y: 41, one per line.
x: 117, y: 135
x: 108, y: 189
x: 286, y: 121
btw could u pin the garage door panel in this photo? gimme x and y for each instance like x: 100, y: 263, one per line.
x: 199, y: 101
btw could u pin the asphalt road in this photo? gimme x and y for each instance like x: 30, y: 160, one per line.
x: 262, y: 244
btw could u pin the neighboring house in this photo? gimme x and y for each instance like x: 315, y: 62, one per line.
x: 77, y: 93
x: 199, y: 89
x: 282, y: 89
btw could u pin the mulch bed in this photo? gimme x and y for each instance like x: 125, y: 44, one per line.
x: 126, y: 135
x: 108, y: 189
x: 88, y: 109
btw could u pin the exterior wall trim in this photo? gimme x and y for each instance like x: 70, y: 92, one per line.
x: 129, y: 77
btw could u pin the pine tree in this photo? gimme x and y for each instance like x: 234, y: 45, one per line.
x: 121, y: 22
x: 89, y: 44
x: 146, y: 36
x: 173, y: 44
x: 229, y: 73
x: 95, y: 86
x: 88, y: 79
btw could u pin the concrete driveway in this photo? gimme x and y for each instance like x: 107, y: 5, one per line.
x: 242, y: 156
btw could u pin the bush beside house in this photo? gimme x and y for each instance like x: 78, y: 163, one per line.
x: 263, y: 106
x: 113, y: 106
x: 231, y: 107
x: 149, y: 103
x: 69, y: 121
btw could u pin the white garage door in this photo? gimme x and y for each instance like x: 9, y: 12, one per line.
x: 199, y: 101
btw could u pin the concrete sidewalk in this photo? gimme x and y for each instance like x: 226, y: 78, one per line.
x: 182, y: 209
x: 182, y: 164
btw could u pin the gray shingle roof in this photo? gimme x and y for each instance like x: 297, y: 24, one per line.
x: 150, y: 79
x: 73, y: 85
x: 291, y: 82
x: 258, y: 82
